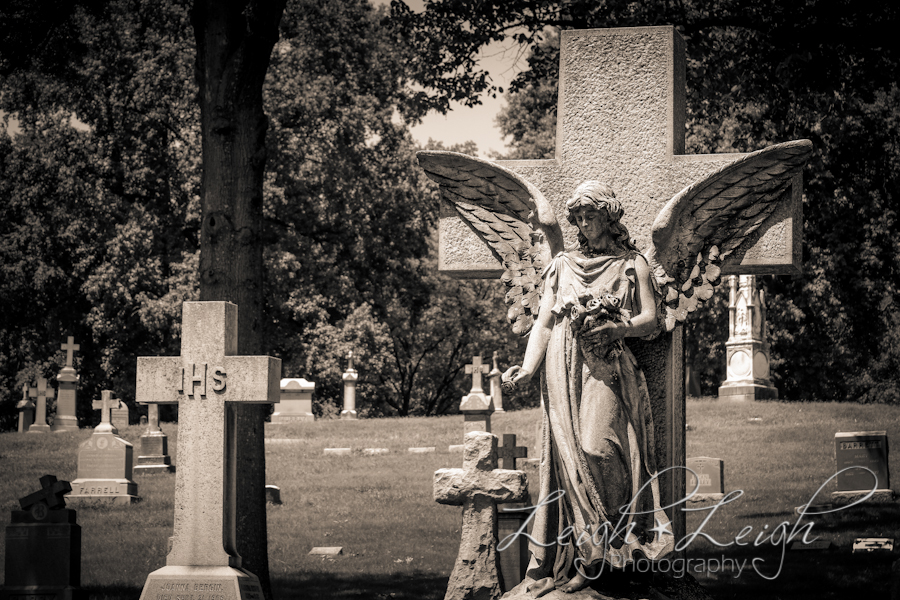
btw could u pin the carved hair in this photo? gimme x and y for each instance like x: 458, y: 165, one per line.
x: 601, y: 196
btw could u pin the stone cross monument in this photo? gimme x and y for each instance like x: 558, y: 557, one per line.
x: 26, y: 410
x: 66, y: 419
x: 42, y: 393
x: 621, y: 119
x: 747, y: 348
x: 350, y: 376
x: 476, y: 406
x: 479, y: 486
x: 203, y: 380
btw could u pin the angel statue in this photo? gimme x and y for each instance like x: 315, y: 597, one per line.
x: 579, y: 306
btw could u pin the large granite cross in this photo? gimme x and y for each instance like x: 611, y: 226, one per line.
x: 202, y: 380
x: 478, y: 487
x: 621, y: 119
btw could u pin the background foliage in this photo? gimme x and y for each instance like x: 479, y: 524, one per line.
x: 99, y: 215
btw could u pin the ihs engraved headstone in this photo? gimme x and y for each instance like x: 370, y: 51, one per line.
x: 105, y: 464
x: 41, y: 393
x: 706, y: 476
x: 296, y: 401
x: 861, y: 462
x: 67, y: 379
x: 43, y: 547
x: 208, y: 375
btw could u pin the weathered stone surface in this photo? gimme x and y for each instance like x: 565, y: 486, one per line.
x: 478, y: 486
x: 337, y: 451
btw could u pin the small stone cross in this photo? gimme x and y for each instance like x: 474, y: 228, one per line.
x: 42, y: 393
x: 51, y: 494
x: 509, y: 452
x: 476, y: 369
x: 105, y: 406
x: 479, y: 486
x: 70, y: 347
x: 206, y: 376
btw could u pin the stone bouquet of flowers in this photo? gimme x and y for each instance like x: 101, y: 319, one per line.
x: 591, y: 311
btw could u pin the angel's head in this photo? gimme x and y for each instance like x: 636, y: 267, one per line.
x: 600, y: 197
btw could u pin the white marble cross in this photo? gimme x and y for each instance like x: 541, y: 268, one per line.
x: 105, y: 406
x: 475, y: 370
x: 202, y: 380
x: 70, y: 347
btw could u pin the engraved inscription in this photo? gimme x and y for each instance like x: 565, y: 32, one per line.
x: 219, y: 379
x: 193, y: 379
x: 16, y: 532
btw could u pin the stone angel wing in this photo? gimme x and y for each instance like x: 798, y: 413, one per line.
x: 706, y: 221
x: 511, y: 215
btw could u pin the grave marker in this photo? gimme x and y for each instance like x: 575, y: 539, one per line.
x: 42, y: 393
x: 43, y: 547
x: 26, y: 410
x: 120, y: 413
x: 708, y: 476
x: 67, y: 379
x: 206, y: 377
x: 476, y: 407
x: 350, y: 376
x: 154, y: 457
x: 104, y: 464
x: 866, y: 449
x: 621, y: 119
x: 513, y: 558
x: 296, y: 401
x: 479, y: 486
x: 496, y: 386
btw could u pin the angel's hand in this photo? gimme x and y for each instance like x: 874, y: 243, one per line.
x: 514, y: 376
x: 604, y: 334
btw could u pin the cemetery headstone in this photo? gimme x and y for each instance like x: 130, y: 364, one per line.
x: 479, y: 486
x: 105, y: 464
x: 296, y: 401
x: 863, y: 454
x: 43, y: 547
x: 476, y: 406
x: 350, y: 376
x: 206, y: 376
x: 67, y: 380
x: 514, y: 557
x: 621, y: 116
x: 496, y: 385
x: 273, y: 494
x: 26, y: 410
x: 105, y: 406
x: 120, y: 413
x: 41, y: 393
x: 747, y: 349
x: 708, y: 476
x: 154, y: 457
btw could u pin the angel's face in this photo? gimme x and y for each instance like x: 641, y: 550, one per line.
x: 591, y: 221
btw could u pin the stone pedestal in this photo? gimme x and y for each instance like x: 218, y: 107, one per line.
x: 747, y: 349
x: 349, y: 377
x: 296, y: 401
x: 65, y: 419
x: 43, y: 556
x: 496, y: 386
x: 104, y: 471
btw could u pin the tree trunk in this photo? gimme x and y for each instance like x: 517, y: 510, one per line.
x: 234, y: 42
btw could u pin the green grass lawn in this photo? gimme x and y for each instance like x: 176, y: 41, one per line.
x: 398, y: 543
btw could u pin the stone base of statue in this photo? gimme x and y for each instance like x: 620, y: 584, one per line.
x: 620, y: 585
x: 348, y: 415
x: 222, y: 583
